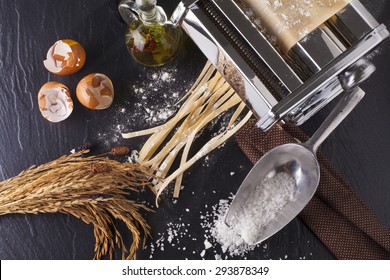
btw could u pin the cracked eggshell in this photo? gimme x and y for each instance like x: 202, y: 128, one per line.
x: 65, y: 57
x: 55, y: 102
x: 95, y: 91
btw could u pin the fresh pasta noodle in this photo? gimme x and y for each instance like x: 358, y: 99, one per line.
x: 209, y: 97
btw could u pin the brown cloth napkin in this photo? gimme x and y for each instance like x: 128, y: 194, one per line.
x: 338, y: 217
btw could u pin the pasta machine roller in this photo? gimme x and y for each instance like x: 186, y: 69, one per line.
x: 287, y: 59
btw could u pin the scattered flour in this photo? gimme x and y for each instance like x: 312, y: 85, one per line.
x: 224, y: 242
x: 175, y: 233
x: 164, y: 89
x: 207, y: 244
x: 165, y: 76
x: 152, y: 100
x: 220, y: 234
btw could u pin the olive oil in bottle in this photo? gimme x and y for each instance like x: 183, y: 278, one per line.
x: 149, y: 39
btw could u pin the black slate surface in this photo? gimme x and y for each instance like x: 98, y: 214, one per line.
x: 360, y: 147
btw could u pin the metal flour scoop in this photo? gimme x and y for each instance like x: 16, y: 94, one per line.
x: 297, y: 160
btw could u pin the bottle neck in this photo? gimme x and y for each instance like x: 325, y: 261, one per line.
x: 149, y: 12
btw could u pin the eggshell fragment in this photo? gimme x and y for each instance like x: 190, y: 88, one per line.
x: 95, y: 91
x: 65, y: 57
x: 55, y: 102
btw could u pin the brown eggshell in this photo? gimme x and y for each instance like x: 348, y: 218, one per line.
x: 55, y: 102
x: 65, y: 57
x: 95, y: 91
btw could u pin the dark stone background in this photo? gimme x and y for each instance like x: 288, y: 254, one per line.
x: 360, y: 147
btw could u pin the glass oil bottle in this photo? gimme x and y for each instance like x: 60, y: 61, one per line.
x: 150, y: 39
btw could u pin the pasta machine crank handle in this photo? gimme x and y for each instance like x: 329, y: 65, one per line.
x: 181, y: 11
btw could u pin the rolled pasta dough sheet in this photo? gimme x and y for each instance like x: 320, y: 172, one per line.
x: 291, y: 20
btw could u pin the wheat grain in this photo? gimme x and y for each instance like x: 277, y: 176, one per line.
x: 97, y: 196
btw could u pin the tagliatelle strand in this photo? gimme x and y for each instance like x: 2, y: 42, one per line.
x: 186, y: 151
x: 207, y: 148
x: 238, y: 111
x: 182, y: 132
x: 209, y: 98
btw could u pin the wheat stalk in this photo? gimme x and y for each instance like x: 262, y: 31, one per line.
x: 93, y: 189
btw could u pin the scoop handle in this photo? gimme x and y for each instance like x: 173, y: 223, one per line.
x: 347, y: 103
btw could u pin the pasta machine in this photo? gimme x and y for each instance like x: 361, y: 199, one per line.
x: 287, y: 59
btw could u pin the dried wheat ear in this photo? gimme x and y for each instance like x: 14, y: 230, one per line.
x: 94, y: 189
